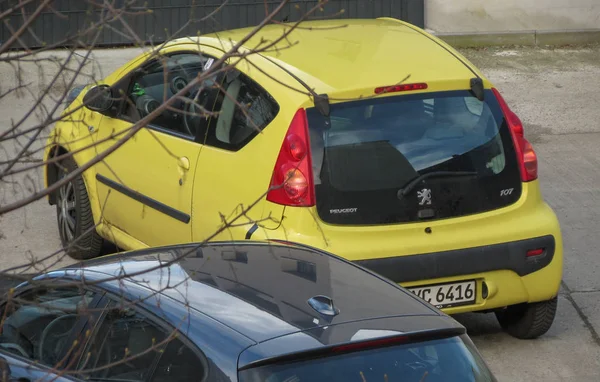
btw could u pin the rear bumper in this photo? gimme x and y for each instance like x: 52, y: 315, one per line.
x: 504, y: 270
x: 510, y: 256
x: 488, y: 248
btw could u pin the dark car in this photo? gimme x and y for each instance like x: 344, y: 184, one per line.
x: 246, y: 311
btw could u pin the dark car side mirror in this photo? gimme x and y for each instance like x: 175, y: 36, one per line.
x: 99, y: 98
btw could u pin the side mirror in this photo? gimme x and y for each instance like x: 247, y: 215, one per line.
x: 99, y: 98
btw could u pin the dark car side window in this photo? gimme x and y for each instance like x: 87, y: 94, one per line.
x: 159, y: 81
x: 124, y: 347
x: 39, y: 325
x: 243, y: 109
x: 129, y: 345
x: 179, y: 362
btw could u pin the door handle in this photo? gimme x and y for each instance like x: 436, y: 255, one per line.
x: 184, y: 163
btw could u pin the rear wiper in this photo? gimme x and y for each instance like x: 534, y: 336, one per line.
x: 408, y: 187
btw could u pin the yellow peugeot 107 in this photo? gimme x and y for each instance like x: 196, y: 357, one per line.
x: 371, y: 139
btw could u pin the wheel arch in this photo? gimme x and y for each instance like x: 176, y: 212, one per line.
x: 51, y: 176
x: 51, y: 170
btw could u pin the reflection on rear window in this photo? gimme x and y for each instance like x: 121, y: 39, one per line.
x: 446, y: 360
x: 370, y: 149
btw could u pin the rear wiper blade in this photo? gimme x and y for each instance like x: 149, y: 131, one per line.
x: 408, y: 187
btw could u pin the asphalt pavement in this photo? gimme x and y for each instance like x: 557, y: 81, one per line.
x: 556, y: 93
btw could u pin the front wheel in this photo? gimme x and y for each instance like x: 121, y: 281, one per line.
x: 528, y: 321
x: 74, y: 214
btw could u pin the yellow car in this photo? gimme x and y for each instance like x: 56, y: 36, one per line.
x: 371, y: 139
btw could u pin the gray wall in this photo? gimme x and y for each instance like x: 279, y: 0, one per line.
x: 169, y: 15
x: 492, y: 16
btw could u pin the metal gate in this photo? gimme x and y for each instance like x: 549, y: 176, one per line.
x: 166, y: 17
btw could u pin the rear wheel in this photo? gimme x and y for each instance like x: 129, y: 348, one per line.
x: 528, y: 321
x: 74, y: 214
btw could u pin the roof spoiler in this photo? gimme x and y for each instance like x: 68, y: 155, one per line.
x: 353, y: 346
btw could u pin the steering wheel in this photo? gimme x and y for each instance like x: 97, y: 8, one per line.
x: 193, y: 112
x: 57, y: 335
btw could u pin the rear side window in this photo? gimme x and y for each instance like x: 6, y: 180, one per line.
x: 243, y: 109
x: 179, y: 363
x: 445, y: 360
x: 368, y: 152
x: 124, y: 347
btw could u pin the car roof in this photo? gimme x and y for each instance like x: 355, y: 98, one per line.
x: 337, y: 55
x: 261, y: 290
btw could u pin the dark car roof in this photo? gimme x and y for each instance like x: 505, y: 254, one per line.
x: 261, y: 290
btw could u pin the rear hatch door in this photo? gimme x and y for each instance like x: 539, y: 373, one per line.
x: 406, y: 158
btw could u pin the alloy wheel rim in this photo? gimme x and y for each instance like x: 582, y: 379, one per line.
x: 66, y: 211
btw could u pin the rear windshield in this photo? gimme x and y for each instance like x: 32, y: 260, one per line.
x: 367, y: 152
x: 448, y: 360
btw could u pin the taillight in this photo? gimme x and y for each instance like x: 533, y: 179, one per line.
x: 292, y: 181
x: 525, y: 153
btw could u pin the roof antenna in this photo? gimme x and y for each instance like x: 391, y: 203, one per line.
x: 477, y: 88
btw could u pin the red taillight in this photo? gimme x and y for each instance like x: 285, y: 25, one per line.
x: 381, y: 342
x: 530, y: 160
x: 400, y: 88
x: 296, y: 146
x: 525, y: 153
x: 292, y: 181
x: 535, y: 252
x: 296, y: 186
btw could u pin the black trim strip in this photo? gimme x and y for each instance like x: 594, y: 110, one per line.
x: 505, y: 256
x: 152, y: 203
x: 251, y: 231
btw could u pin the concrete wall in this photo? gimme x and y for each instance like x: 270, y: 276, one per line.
x: 494, y: 16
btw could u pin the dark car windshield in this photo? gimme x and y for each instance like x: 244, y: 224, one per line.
x: 452, y: 359
x: 367, y: 151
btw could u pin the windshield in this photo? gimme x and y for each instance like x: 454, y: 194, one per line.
x: 452, y: 359
x: 368, y: 150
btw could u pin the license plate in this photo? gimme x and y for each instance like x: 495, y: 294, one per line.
x: 447, y: 295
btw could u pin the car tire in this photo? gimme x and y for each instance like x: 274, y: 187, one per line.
x: 528, y: 321
x: 74, y: 216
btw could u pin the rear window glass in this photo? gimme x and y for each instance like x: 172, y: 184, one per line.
x: 368, y: 151
x: 445, y: 360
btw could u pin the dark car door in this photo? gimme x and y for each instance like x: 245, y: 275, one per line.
x: 40, y: 330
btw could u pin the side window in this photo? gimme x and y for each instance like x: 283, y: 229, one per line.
x: 39, y: 324
x: 179, y: 363
x: 244, y: 109
x: 161, y: 80
x: 124, y: 347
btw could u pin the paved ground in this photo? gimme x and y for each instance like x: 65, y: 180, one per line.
x: 556, y: 94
